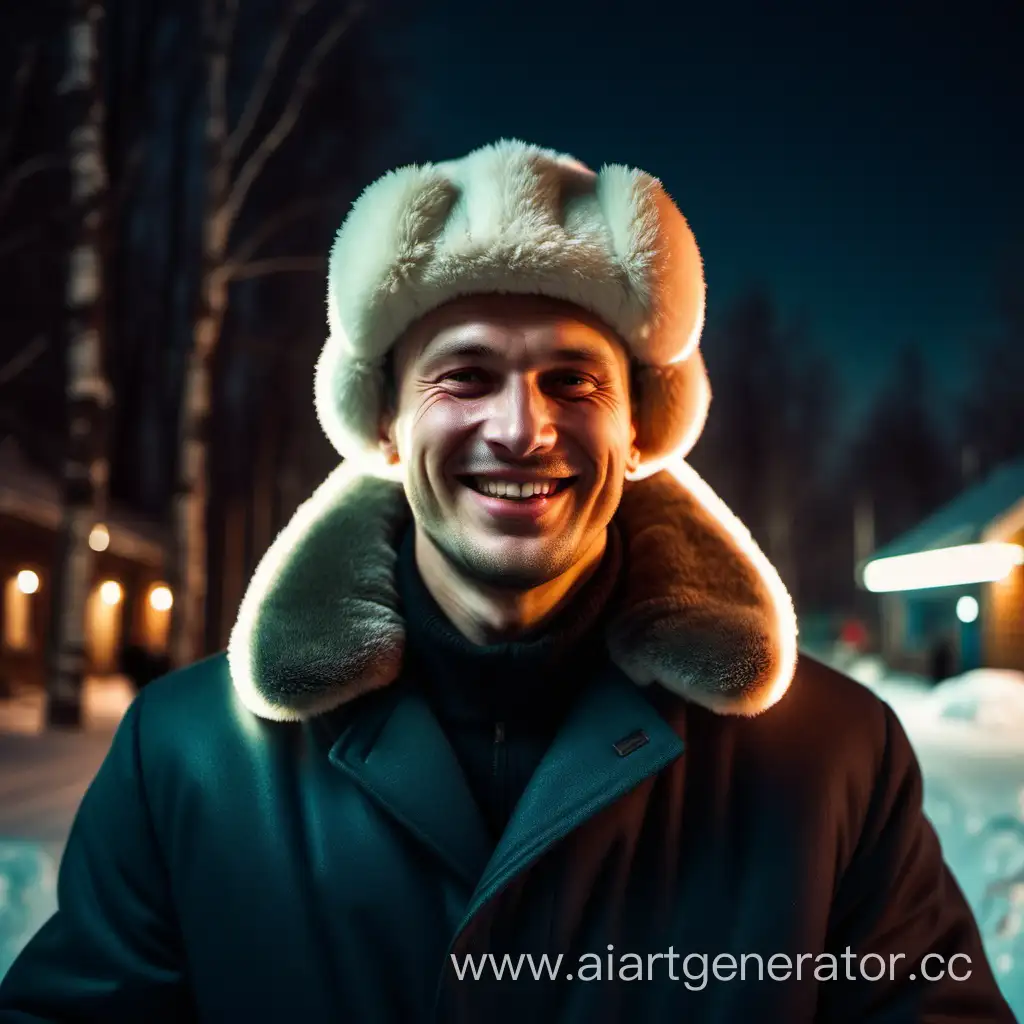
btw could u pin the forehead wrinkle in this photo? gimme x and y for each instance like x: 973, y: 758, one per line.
x: 473, y: 343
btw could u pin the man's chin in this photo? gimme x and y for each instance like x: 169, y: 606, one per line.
x: 515, y: 562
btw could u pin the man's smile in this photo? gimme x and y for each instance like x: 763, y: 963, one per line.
x: 515, y: 487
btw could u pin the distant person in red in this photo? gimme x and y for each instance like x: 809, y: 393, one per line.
x: 854, y: 635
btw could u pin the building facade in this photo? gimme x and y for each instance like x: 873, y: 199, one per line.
x: 952, y: 590
x: 129, y: 602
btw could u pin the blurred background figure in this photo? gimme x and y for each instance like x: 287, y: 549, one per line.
x: 142, y: 666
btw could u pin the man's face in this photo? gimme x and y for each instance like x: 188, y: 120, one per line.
x: 514, y: 432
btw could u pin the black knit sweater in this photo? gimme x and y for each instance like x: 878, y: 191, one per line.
x: 501, y: 704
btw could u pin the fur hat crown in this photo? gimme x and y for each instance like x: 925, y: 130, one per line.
x: 515, y: 218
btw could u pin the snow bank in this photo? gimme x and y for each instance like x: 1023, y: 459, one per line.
x: 28, y: 894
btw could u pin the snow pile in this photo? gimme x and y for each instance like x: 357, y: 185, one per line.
x: 991, y: 699
x: 28, y: 895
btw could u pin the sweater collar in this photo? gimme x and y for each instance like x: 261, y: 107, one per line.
x: 700, y: 611
x: 530, y: 679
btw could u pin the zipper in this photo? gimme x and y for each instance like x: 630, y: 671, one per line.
x: 499, y: 742
x: 499, y: 780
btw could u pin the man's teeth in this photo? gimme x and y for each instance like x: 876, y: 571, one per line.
x: 509, y: 489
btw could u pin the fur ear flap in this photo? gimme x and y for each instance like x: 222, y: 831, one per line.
x: 670, y: 408
x: 700, y: 612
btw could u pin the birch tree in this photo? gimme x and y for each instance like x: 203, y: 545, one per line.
x: 235, y: 157
x: 85, y: 467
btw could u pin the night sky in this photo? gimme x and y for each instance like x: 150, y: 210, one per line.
x: 866, y: 165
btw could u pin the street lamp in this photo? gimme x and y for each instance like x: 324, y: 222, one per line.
x: 28, y: 581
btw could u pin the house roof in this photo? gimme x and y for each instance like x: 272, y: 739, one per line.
x: 29, y: 493
x: 967, y: 518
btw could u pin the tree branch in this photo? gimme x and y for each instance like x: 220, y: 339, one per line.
x: 271, y: 226
x: 261, y: 89
x: 22, y: 173
x: 55, y: 217
x: 277, y: 265
x: 12, y: 243
x: 20, y: 84
x: 28, y: 355
x: 289, y: 116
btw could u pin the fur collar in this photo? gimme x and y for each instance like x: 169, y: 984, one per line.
x: 702, y: 612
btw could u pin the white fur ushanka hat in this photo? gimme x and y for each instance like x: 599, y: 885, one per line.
x: 514, y: 218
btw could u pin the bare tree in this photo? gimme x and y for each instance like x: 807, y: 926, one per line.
x: 85, y: 469
x: 235, y: 158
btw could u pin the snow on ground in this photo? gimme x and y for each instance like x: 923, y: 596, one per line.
x: 968, y: 734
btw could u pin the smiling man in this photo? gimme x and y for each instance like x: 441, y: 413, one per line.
x: 512, y: 725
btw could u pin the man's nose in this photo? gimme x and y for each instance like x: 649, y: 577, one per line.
x: 520, y: 418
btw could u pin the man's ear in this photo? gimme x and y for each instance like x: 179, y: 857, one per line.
x: 633, y: 459
x: 387, y: 438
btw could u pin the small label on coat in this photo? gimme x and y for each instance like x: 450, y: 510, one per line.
x: 634, y: 741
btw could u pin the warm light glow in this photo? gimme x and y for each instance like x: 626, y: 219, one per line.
x: 967, y: 609
x: 946, y: 567
x: 110, y: 592
x: 99, y: 539
x: 160, y: 598
x: 28, y: 581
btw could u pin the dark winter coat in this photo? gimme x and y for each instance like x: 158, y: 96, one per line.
x: 284, y: 834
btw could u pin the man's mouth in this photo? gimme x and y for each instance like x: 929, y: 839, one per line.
x: 513, y: 490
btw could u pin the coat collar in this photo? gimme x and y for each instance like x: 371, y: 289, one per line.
x: 702, y: 612
x: 397, y: 751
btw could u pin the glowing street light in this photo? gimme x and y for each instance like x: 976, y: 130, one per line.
x: 28, y: 581
x: 99, y: 538
x: 110, y: 592
x: 945, y: 567
x: 160, y: 598
x: 967, y: 609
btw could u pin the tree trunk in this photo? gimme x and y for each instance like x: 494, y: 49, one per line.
x: 86, y: 469
x: 232, y: 165
x: 191, y: 497
x: 192, y: 492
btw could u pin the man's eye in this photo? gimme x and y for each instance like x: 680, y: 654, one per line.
x: 463, y: 376
x: 575, y: 381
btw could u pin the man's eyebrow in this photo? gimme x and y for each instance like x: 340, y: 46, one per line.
x: 465, y: 349
x: 460, y: 348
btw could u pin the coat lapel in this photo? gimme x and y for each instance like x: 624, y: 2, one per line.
x: 398, y: 753
x: 612, y: 740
